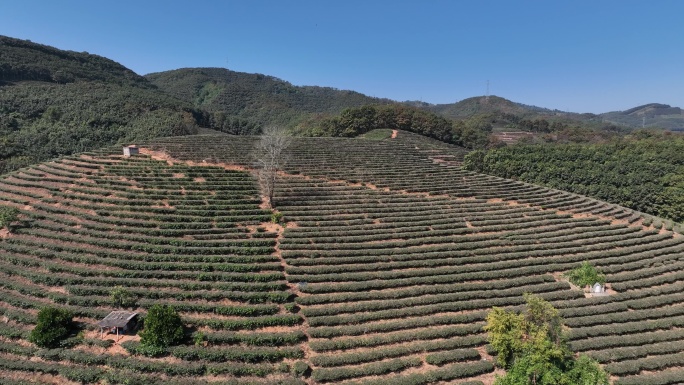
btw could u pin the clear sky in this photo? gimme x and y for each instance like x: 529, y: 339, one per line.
x: 574, y: 55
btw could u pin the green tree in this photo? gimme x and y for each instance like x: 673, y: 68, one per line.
x: 585, y: 275
x: 532, y: 347
x: 53, y: 325
x: 8, y: 214
x: 475, y: 161
x: 121, y: 297
x: 163, y: 327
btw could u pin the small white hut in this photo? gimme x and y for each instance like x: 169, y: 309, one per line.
x: 598, y: 290
x: 131, y: 150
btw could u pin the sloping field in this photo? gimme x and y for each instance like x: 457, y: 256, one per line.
x: 392, y: 254
x: 186, y: 236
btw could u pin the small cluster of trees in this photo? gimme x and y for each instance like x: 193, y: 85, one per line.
x: 352, y: 122
x: 644, y: 173
x: 532, y: 347
x: 162, y: 328
x: 586, y: 275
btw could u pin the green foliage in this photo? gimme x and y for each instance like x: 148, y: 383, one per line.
x: 242, y: 103
x: 586, y: 275
x: 163, y: 328
x: 276, y: 217
x: 532, y: 347
x: 644, y: 173
x: 585, y: 371
x: 475, y: 161
x: 8, y: 214
x: 53, y: 325
x: 122, y: 297
x: 55, y: 102
x: 199, y: 338
x: 25, y: 60
x: 505, y: 334
x: 357, y: 121
x: 300, y: 369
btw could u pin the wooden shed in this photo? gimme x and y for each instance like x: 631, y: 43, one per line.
x: 131, y: 150
x: 119, y: 322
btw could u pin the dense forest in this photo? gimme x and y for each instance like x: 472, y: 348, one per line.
x: 242, y: 103
x: 472, y: 133
x: 55, y: 102
x: 644, y: 171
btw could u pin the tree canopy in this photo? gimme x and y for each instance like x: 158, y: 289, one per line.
x: 585, y: 275
x: 163, y: 327
x: 532, y: 347
x: 53, y: 325
x: 644, y: 172
x: 352, y: 122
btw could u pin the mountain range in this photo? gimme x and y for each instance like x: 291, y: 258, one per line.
x: 55, y: 102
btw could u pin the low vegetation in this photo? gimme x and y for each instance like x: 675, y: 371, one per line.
x: 390, y: 259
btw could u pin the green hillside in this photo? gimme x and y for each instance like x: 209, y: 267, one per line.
x: 55, y: 102
x: 483, y: 105
x: 652, y: 115
x: 382, y: 269
x: 645, y: 173
x: 243, y: 102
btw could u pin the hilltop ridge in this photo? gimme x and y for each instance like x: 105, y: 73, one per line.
x: 23, y: 60
x: 55, y: 102
x: 254, y: 98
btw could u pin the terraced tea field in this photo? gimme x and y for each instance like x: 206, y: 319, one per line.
x: 383, y: 271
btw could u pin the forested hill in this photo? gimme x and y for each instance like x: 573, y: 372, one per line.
x: 241, y: 102
x: 649, y: 115
x: 493, y: 104
x: 24, y: 60
x: 55, y: 102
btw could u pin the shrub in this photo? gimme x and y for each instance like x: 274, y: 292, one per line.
x: 586, y: 275
x: 8, y: 214
x: 53, y: 326
x: 121, y: 297
x: 277, y: 217
x: 199, y: 338
x: 163, y: 327
x: 300, y: 369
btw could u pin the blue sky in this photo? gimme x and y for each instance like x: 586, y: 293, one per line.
x: 575, y: 55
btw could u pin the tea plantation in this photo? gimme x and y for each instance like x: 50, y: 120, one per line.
x: 382, y: 269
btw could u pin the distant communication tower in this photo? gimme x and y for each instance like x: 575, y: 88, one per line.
x: 487, y: 94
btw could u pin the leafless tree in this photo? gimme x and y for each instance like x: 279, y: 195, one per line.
x: 269, y: 156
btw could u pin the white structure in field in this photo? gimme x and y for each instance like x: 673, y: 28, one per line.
x: 131, y: 150
x: 598, y: 290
